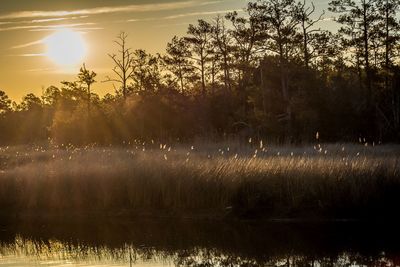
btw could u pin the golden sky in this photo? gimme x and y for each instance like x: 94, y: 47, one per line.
x: 25, y: 27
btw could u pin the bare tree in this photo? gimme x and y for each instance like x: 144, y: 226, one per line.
x: 308, y: 31
x: 123, y: 64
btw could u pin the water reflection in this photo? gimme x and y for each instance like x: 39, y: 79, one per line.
x: 188, y: 243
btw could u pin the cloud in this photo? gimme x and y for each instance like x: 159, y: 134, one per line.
x: 106, y: 10
x: 50, y: 27
x: 139, y: 20
x: 79, y: 29
x: 38, y: 21
x: 41, y: 70
x: 46, y: 20
x: 66, y: 70
x: 201, y: 13
x: 183, y: 15
x: 26, y: 55
x: 174, y: 24
x: 27, y: 44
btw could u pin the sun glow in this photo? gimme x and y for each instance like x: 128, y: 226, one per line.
x: 65, y: 47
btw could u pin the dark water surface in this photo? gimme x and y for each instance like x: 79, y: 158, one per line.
x: 105, y: 242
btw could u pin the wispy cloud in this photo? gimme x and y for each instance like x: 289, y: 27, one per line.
x: 65, y: 70
x: 39, y: 27
x: 52, y: 28
x: 106, y: 10
x: 47, y: 20
x: 79, y: 29
x: 27, y: 44
x: 166, y: 25
x: 26, y: 55
x: 138, y: 20
x: 39, y: 21
x: 205, y: 13
x: 183, y: 15
x: 41, y: 70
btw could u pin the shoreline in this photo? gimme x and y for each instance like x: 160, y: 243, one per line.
x: 205, y: 217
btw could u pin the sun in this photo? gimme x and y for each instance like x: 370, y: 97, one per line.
x: 65, y: 47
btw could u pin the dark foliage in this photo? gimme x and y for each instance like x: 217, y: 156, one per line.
x: 271, y: 74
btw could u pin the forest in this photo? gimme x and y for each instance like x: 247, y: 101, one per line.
x: 271, y: 73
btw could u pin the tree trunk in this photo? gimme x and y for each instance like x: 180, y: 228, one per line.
x: 285, y: 94
x: 305, y: 50
x: 88, y: 103
x: 123, y: 69
x: 366, y: 57
x: 203, y: 82
x: 181, y: 78
x: 263, y: 90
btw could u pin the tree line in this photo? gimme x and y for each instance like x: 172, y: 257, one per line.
x: 271, y: 73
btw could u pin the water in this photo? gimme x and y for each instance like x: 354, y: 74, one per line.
x: 110, y: 242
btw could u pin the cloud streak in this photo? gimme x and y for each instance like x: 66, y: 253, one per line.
x: 48, y: 27
x: 39, y: 21
x: 201, y: 14
x: 79, y: 29
x: 184, y: 15
x: 42, y: 70
x: 46, y: 20
x: 27, y: 44
x: 27, y: 55
x: 106, y: 10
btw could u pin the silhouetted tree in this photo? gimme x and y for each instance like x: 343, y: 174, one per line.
x: 309, y: 33
x: 247, y: 34
x: 177, y: 61
x: 86, y: 77
x: 123, y: 68
x: 270, y: 73
x: 51, y: 96
x: 30, y: 102
x: 279, y: 20
x: 359, y: 20
x: 223, y: 40
x: 199, y: 37
x: 146, y: 77
x: 388, y: 28
x: 5, y: 103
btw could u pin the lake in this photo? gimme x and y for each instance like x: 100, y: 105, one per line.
x: 189, y: 242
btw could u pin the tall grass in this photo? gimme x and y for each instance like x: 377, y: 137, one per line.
x: 329, y: 181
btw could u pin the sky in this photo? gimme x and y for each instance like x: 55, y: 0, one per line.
x: 25, y: 25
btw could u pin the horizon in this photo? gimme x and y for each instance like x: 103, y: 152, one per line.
x: 26, y: 27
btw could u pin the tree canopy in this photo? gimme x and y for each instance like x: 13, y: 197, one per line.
x: 272, y: 74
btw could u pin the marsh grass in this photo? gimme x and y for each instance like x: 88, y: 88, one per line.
x: 27, y: 252
x: 218, y: 180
